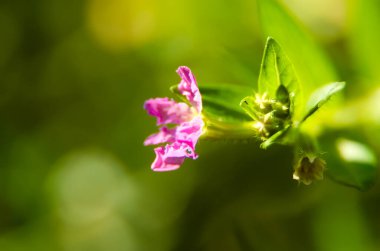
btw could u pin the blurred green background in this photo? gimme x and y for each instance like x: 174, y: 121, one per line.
x: 74, y: 173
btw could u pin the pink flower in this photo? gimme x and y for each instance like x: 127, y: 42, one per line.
x: 180, y: 139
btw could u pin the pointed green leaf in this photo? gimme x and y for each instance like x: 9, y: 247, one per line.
x: 276, y: 70
x: 278, y: 77
x: 321, y: 96
x: 276, y: 138
x: 313, y: 67
x: 350, y: 162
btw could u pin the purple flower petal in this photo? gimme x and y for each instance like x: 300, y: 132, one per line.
x: 189, y: 88
x: 165, y: 135
x: 189, y: 132
x: 170, y: 157
x: 168, y: 111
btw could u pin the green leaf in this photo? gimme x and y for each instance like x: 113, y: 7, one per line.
x: 278, y: 137
x: 321, y: 96
x: 364, y: 39
x: 221, y: 102
x: 350, y: 162
x: 247, y: 105
x: 313, y: 67
x: 276, y: 71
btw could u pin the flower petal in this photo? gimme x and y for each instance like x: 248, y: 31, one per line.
x: 168, y: 111
x: 189, y: 132
x: 189, y: 88
x: 165, y: 135
x: 171, y: 157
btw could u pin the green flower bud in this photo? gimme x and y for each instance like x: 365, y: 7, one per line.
x: 270, y: 114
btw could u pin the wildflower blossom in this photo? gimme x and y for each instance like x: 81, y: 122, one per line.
x: 181, y: 139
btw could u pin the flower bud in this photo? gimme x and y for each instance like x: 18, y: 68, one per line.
x: 309, y: 168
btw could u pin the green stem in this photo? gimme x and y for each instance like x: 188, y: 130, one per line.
x: 223, y: 130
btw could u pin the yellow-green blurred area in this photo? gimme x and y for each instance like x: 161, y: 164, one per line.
x: 74, y: 174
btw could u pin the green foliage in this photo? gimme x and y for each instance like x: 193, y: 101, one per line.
x: 278, y: 137
x: 221, y: 102
x: 277, y: 73
x: 278, y: 88
x: 321, y: 96
x: 313, y: 67
x: 363, y: 40
x: 349, y: 161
